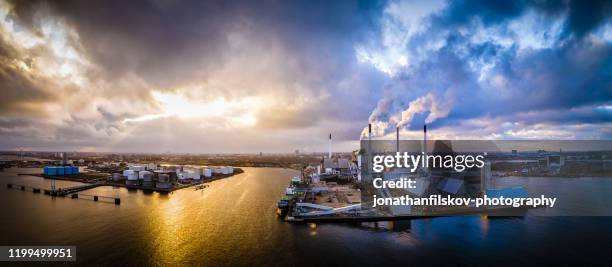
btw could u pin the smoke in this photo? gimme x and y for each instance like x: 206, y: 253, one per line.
x: 379, y: 128
x: 425, y: 104
x: 388, y: 113
x: 481, y: 62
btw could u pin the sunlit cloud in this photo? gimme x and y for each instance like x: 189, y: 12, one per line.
x: 241, y: 111
x: 203, y: 77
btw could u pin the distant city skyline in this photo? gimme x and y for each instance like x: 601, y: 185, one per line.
x: 280, y: 76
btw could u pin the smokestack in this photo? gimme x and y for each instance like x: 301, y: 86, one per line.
x: 425, y: 139
x: 369, y: 157
x: 330, y: 146
x: 369, y: 133
x: 397, y: 139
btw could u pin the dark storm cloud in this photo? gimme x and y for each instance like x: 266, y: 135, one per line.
x: 152, y: 39
x: 558, y: 78
x: 18, y: 87
x: 550, y: 79
x: 299, y: 53
x: 167, y: 42
x: 583, y: 16
x: 466, y: 60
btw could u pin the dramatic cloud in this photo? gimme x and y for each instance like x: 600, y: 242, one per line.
x: 184, y: 76
x: 250, y: 76
x: 523, y: 70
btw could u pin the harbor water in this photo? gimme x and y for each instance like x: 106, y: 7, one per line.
x: 233, y: 222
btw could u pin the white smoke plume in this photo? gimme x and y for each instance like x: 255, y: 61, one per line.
x: 428, y: 103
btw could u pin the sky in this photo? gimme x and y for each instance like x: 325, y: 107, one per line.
x: 275, y: 76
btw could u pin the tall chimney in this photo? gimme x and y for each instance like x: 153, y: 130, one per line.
x: 397, y: 139
x: 425, y: 139
x: 330, y: 146
x: 369, y: 146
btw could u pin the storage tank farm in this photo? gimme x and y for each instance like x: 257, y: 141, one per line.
x: 189, y: 173
x: 165, y: 177
x: 144, y: 175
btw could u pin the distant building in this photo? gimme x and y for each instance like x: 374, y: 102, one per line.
x: 337, y: 166
x: 555, y: 160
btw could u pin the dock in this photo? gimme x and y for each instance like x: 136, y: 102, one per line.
x: 497, y: 211
x: 72, y: 191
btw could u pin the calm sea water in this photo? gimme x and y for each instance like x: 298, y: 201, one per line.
x: 233, y: 223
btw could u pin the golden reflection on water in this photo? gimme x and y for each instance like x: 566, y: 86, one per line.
x: 231, y: 216
x: 230, y: 222
x: 484, y: 225
x: 168, y: 228
x: 178, y: 226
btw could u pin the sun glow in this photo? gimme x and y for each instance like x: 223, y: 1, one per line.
x: 238, y: 112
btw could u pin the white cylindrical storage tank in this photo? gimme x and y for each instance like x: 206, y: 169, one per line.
x: 182, y: 176
x: 193, y: 175
x: 132, y: 177
x: 207, y: 172
x: 147, y: 179
x: 143, y: 173
x: 163, y: 178
x: 163, y: 181
x: 225, y: 170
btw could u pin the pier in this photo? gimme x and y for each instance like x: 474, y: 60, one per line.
x: 34, y: 190
x: 72, y: 191
x: 486, y: 211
